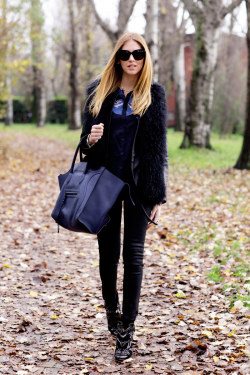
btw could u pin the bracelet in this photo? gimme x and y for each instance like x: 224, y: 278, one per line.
x: 88, y: 144
x: 88, y: 140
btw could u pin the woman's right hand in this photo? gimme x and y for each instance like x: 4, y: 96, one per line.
x: 96, y: 133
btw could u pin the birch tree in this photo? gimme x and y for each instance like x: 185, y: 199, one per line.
x: 9, y: 105
x: 172, y: 25
x: 73, y: 43
x: 243, y: 161
x: 125, y: 10
x: 151, y: 33
x: 207, y: 17
x: 13, y: 62
x: 74, y: 74
x: 4, y: 54
x: 9, y: 42
x: 226, y: 107
x: 228, y: 110
x: 37, y: 56
x: 88, y: 41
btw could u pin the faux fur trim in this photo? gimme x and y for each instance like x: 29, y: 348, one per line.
x: 151, y: 151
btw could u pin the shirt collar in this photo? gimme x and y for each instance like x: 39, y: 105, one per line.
x: 121, y: 94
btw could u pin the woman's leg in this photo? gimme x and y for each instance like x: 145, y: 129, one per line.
x: 135, y: 226
x: 109, y: 252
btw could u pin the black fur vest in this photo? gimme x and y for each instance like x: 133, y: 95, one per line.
x: 149, y: 159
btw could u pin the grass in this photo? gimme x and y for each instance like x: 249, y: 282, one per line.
x: 230, y: 268
x: 50, y: 131
x: 232, y: 275
x: 215, y: 275
x: 224, y: 154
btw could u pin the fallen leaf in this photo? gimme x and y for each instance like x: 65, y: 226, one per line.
x: 180, y: 294
x: 33, y: 294
x: 207, y: 333
x: 54, y: 317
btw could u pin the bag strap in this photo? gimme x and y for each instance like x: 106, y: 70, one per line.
x: 143, y: 209
x: 75, y: 156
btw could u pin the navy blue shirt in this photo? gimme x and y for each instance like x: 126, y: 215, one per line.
x: 123, y: 105
x: 122, y: 131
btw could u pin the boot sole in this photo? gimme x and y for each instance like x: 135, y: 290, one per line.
x: 118, y: 359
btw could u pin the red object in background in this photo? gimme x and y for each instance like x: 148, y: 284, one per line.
x: 188, y: 57
x: 189, y: 45
x: 171, y: 107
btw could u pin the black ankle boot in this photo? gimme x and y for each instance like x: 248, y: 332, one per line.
x: 113, y: 317
x: 124, y: 340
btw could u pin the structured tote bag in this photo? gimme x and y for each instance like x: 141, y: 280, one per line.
x: 86, y: 197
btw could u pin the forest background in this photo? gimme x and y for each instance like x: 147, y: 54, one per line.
x: 194, y: 310
x: 50, y: 51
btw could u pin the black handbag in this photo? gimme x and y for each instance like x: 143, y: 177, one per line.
x: 86, y: 197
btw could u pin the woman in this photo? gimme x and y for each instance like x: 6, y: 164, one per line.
x: 124, y: 128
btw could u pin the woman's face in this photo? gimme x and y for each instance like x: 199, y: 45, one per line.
x: 131, y: 67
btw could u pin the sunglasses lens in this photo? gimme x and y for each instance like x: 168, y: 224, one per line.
x: 139, y: 54
x: 123, y: 55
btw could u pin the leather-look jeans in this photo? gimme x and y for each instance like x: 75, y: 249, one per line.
x: 109, y: 239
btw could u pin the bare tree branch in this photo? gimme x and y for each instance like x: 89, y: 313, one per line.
x: 230, y: 7
x: 111, y: 34
x: 239, y: 25
x: 126, y: 8
x: 183, y: 22
x: 192, y: 8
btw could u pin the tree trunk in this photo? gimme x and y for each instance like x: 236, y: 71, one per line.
x: 41, y: 98
x: 37, y: 40
x: 9, y: 112
x: 198, y: 125
x: 6, y: 92
x: 9, y: 107
x: 171, y: 31
x: 243, y: 161
x: 88, y: 38
x: 74, y: 75
x: 226, y: 105
x: 207, y: 18
x: 151, y: 33
x: 180, y: 90
x: 53, y: 79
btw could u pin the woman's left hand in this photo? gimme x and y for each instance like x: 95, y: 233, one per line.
x: 155, y: 214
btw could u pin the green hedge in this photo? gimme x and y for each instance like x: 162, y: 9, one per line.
x: 21, y: 111
x: 57, y: 111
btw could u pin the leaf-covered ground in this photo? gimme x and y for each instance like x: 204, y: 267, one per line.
x: 193, y: 316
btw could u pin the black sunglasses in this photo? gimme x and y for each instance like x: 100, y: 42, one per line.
x: 124, y: 55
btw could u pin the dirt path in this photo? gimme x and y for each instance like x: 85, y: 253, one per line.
x: 52, y: 319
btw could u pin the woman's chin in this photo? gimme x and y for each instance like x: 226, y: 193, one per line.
x: 131, y: 72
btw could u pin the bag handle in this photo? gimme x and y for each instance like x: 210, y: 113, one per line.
x: 75, y: 156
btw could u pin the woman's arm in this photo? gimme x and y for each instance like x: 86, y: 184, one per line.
x: 163, y: 106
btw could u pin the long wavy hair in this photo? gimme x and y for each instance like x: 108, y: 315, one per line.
x: 112, y: 75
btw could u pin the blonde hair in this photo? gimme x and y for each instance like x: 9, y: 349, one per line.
x: 112, y: 74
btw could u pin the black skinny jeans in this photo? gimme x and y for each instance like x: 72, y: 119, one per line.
x: 135, y: 226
